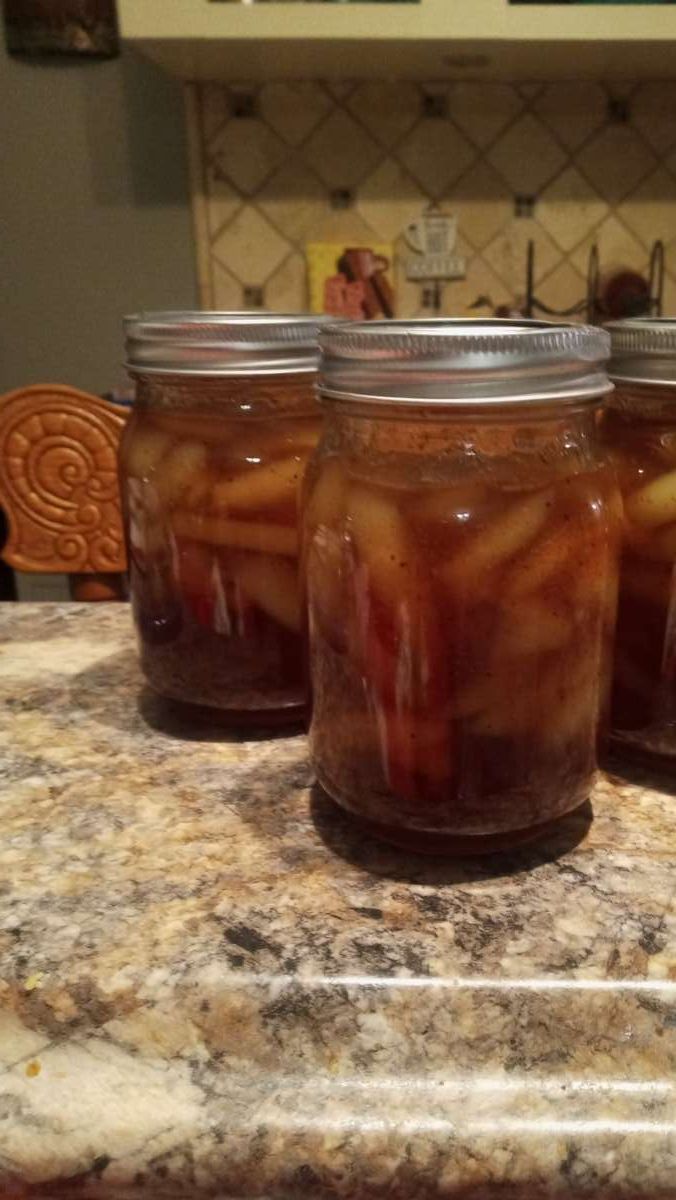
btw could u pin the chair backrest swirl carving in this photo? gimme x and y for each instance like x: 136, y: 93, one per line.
x: 59, y: 483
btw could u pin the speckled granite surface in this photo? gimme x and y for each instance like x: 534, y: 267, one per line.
x: 211, y: 985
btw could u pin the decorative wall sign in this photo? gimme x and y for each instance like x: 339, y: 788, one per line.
x: 74, y: 27
x: 350, y: 281
x: 433, y: 237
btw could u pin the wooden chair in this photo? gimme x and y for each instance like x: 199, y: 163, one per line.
x: 59, y: 487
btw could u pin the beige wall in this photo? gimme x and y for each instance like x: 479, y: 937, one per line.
x: 94, y: 213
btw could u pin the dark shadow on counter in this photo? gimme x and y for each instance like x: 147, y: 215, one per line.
x: 201, y: 725
x: 345, y: 837
x: 112, y: 693
x: 642, y: 770
x: 106, y: 691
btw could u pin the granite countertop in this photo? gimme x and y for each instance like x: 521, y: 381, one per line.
x: 212, y: 985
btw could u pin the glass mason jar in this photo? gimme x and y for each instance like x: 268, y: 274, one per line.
x: 640, y: 429
x: 460, y: 557
x: 224, y: 420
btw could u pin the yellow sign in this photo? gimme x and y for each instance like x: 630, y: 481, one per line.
x: 351, y: 281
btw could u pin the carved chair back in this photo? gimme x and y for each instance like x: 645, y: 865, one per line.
x: 59, y: 487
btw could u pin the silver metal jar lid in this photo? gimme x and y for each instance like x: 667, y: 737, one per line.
x: 643, y: 350
x: 222, y: 343
x: 472, y: 361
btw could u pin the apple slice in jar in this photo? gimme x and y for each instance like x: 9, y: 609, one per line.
x: 264, y: 538
x: 545, y: 559
x: 654, y: 504
x: 325, y: 573
x: 378, y: 537
x: 531, y: 626
x: 456, y: 505
x: 572, y: 705
x: 197, y: 494
x: 378, y: 531
x: 146, y: 449
x: 397, y: 638
x: 272, y: 585
x: 495, y: 545
x: 304, y: 435
x: 182, y: 468
x: 326, y: 497
x: 259, y: 487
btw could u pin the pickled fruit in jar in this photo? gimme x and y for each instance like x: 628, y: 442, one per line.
x: 461, y: 641
x: 212, y: 518
x: 645, y: 456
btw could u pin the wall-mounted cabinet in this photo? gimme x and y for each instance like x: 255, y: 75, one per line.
x: 219, y: 39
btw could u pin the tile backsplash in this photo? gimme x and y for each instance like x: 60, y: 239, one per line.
x: 569, y: 165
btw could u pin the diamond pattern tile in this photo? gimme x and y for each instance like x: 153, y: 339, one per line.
x: 483, y: 110
x: 529, y: 91
x: 482, y: 202
x: 650, y: 210
x: 341, y: 152
x: 246, y: 152
x: 293, y: 199
x: 222, y: 199
x: 390, y: 199
x: 294, y: 109
x: 341, y: 225
x: 506, y: 254
x: 572, y: 110
x: 436, y: 154
x: 481, y: 284
x: 563, y: 288
x: 226, y: 290
x: 340, y: 89
x: 214, y: 109
x: 388, y: 110
x: 527, y: 156
x: 268, y: 182
x: 569, y: 207
x: 286, y: 289
x: 249, y: 248
x: 670, y: 162
x: 653, y: 113
x: 618, y: 248
x: 615, y: 161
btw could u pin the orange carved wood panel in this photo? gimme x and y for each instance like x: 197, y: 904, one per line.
x: 58, y: 481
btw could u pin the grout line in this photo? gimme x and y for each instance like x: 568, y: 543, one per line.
x: 595, y: 225
x: 243, y: 203
x: 621, y: 220
x: 264, y: 283
x: 309, y: 133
